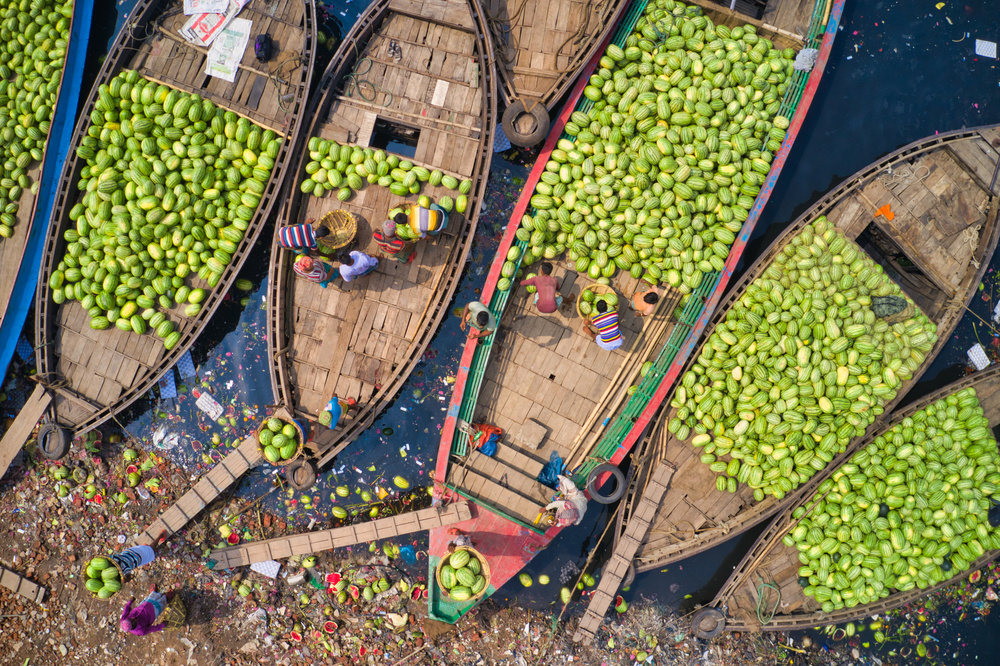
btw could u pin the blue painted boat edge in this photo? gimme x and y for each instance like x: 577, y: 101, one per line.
x: 63, y: 122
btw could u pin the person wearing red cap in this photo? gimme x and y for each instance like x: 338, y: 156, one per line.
x: 395, y: 248
x: 314, y: 270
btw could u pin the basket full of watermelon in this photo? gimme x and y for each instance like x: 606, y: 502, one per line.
x: 589, y: 297
x: 104, y: 579
x: 280, y: 439
x: 463, y: 575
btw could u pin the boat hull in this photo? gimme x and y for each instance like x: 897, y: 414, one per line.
x: 636, y: 416
x: 94, y: 374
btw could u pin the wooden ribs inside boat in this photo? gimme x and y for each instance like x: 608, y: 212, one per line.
x: 541, y: 46
x: 262, y: 92
x: 936, y: 248
x: 417, y: 72
x: 549, y: 387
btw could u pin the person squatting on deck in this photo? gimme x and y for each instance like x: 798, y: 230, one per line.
x: 139, y: 621
x: 314, y: 270
x: 426, y: 222
x: 644, y: 302
x: 461, y: 540
x: 479, y: 320
x: 301, y: 236
x: 571, y: 505
x: 354, y: 264
x: 335, y: 411
x: 603, y: 327
x: 395, y: 248
x: 547, y: 297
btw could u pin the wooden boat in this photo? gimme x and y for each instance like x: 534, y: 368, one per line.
x: 362, y: 340
x: 301, y: 313
x: 19, y: 254
x: 539, y: 379
x: 770, y: 561
x: 541, y: 48
x: 944, y: 228
x: 90, y: 375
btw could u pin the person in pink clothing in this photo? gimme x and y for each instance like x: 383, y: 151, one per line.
x: 547, y: 298
x: 139, y: 621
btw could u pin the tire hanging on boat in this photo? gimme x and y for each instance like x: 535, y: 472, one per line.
x: 301, y: 474
x: 708, y: 623
x: 617, y: 490
x: 512, y: 116
x: 53, y: 441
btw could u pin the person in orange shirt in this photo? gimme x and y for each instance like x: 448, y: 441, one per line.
x: 644, y: 303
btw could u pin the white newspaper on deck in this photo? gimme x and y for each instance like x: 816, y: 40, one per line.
x: 227, y: 50
x: 192, y: 7
x: 201, y: 30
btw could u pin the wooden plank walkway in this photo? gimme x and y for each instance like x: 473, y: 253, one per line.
x: 314, y: 542
x: 25, y: 422
x: 208, y: 488
x: 614, y: 572
x: 22, y: 586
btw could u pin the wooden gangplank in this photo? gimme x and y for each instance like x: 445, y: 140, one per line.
x: 614, y: 572
x: 314, y: 542
x: 22, y: 586
x: 209, y: 487
x: 25, y: 422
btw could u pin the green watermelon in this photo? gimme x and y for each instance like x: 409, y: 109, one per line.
x: 275, y: 424
x: 289, y: 431
x: 94, y: 585
x: 288, y: 450
x: 459, y: 559
x: 448, y: 577
x: 460, y: 593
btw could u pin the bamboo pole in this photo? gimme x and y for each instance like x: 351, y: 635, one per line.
x: 628, y: 364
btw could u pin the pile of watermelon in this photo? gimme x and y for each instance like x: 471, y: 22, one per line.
x: 103, y: 579
x: 589, y: 299
x: 279, y: 440
x: 348, y: 169
x: 33, y: 40
x: 461, y: 575
x: 169, y: 187
x: 662, y: 168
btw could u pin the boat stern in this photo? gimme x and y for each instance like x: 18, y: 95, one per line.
x: 507, y: 547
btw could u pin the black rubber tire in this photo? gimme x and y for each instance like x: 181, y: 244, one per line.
x: 706, y: 616
x: 53, y: 441
x: 301, y: 474
x: 541, y: 125
x: 616, y: 493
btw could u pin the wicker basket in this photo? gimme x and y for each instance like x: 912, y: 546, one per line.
x: 284, y: 415
x: 405, y: 206
x: 484, y: 572
x: 343, y: 227
x: 598, y: 290
x: 121, y: 579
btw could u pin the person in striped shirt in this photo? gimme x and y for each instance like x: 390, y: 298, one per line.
x: 426, y: 222
x: 301, y: 236
x: 314, y: 270
x: 603, y: 327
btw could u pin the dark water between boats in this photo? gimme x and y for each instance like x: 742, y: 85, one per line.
x: 899, y: 71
